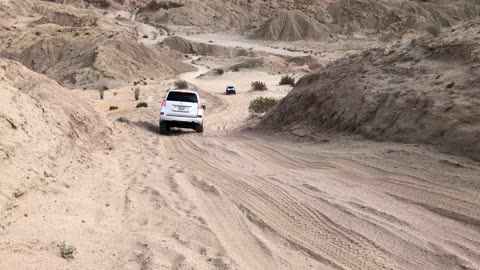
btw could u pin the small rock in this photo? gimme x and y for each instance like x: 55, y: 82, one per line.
x: 47, y: 173
x: 450, y: 85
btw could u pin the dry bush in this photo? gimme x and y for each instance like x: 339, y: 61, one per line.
x: 262, y: 104
x: 259, y: 86
x: 136, y: 93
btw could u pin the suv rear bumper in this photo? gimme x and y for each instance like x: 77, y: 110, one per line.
x: 181, y: 120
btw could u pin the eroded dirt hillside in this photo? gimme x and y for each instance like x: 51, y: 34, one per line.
x: 383, y: 17
x: 425, y: 92
x: 43, y: 128
x: 78, y: 47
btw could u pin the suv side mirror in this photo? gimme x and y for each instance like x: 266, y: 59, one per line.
x: 204, y: 107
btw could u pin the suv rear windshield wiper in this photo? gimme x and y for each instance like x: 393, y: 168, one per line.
x: 182, y: 97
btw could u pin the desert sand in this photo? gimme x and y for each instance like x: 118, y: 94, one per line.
x: 86, y: 187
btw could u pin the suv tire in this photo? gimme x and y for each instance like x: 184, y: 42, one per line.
x: 199, y: 128
x: 163, y: 128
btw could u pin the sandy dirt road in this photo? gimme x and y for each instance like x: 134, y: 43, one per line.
x: 235, y: 199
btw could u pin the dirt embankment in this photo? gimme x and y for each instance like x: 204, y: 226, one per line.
x: 291, y: 26
x: 426, y: 92
x: 190, y: 47
x: 42, y: 126
x: 309, y: 19
x: 77, y: 47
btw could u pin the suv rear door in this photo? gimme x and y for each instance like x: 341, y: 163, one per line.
x: 182, y: 104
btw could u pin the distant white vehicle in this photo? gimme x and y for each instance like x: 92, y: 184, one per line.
x: 183, y: 109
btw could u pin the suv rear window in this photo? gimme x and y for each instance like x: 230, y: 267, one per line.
x: 182, y: 97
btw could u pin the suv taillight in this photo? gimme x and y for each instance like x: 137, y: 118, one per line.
x: 164, y: 103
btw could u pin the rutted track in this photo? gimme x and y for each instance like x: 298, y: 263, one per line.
x: 277, y: 205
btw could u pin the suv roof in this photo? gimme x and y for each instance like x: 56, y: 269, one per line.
x: 183, y: 91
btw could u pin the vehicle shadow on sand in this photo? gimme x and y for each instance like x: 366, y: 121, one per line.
x: 154, y: 128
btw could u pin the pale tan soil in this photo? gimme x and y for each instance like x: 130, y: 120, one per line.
x: 229, y: 200
x: 422, y: 92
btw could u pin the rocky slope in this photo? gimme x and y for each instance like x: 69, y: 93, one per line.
x: 78, y: 47
x: 425, y: 92
x: 385, y: 17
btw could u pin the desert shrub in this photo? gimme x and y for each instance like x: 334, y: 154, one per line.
x: 66, y: 251
x: 144, y: 83
x: 181, y: 84
x: 142, y: 104
x: 262, y: 104
x: 136, y: 93
x: 434, y: 29
x: 145, y: 36
x: 287, y: 80
x: 259, y: 86
x: 112, y: 108
x: 220, y: 71
x: 236, y: 69
x: 38, y: 33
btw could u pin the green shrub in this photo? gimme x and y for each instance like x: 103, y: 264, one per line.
x: 142, y: 104
x: 181, y: 84
x: 259, y: 86
x: 112, y: 108
x: 262, y: 104
x: 434, y: 29
x: 287, y: 80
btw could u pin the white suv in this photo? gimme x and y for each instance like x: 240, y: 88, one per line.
x: 181, y: 108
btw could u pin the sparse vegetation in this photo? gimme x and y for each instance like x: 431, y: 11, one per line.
x: 135, y: 83
x: 181, y: 84
x: 112, y: 108
x: 236, y: 69
x: 142, y: 104
x: 66, y: 251
x: 434, y: 29
x: 145, y: 36
x: 262, y: 104
x: 287, y: 80
x: 259, y: 86
x: 220, y: 71
x: 136, y: 93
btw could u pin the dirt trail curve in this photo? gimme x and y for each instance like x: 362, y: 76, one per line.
x: 271, y: 204
x: 228, y: 199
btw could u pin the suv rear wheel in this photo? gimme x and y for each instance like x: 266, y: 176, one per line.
x: 199, y: 128
x: 164, y: 128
